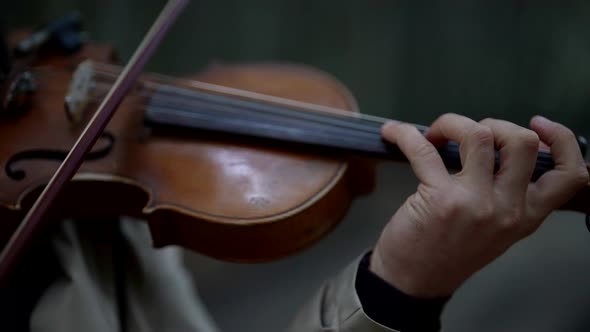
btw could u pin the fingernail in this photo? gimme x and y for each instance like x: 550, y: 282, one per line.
x: 388, y: 128
x: 390, y: 124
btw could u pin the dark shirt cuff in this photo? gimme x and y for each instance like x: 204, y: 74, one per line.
x: 394, y: 309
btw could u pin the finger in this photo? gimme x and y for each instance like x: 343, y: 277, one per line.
x: 561, y: 140
x: 476, y: 144
x: 544, y: 147
x: 556, y: 187
x: 518, y: 148
x: 422, y: 155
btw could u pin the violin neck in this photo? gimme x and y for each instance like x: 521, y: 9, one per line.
x: 187, y: 111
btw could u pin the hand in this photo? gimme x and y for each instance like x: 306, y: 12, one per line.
x: 456, y: 224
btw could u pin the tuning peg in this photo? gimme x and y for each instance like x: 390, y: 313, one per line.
x: 64, y: 33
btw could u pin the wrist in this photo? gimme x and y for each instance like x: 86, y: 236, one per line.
x: 391, y: 307
x: 421, y: 284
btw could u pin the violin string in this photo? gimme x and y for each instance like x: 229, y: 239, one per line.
x: 174, y: 96
x: 153, y: 81
x: 289, y: 120
x: 232, y: 120
x: 355, y: 125
x: 198, y: 101
x: 350, y: 128
x: 344, y: 134
x: 283, y: 129
x: 250, y: 114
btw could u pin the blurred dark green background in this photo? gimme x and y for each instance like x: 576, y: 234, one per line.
x: 412, y: 60
x: 409, y: 60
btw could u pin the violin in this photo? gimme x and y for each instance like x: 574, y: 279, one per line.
x: 240, y: 162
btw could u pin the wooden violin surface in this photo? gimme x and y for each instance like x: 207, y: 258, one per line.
x: 225, y: 198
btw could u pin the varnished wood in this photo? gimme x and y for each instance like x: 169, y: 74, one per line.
x: 239, y: 201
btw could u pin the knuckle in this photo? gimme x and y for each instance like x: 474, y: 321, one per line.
x: 424, y: 150
x: 515, y: 214
x: 404, y: 126
x: 481, y: 134
x: 450, y: 206
x: 580, y: 176
x: 507, y: 227
x: 484, y: 212
x: 445, y: 119
x: 528, y: 139
x: 403, y: 133
x: 405, y: 129
x: 487, y: 121
x: 448, y: 116
x: 511, y: 220
x: 461, y: 203
x: 565, y: 134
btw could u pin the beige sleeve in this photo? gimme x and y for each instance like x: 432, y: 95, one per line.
x: 336, y: 308
x: 159, y: 293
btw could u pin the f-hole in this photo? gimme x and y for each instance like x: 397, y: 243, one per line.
x: 19, y: 174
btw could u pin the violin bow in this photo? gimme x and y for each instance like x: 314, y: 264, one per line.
x: 21, y: 238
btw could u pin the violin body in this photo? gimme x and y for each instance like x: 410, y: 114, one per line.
x: 229, y: 199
